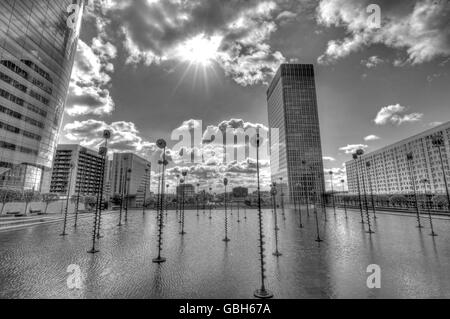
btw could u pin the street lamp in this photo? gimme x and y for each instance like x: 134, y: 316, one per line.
x: 332, y: 192
x: 369, y: 165
x: 261, y: 293
x: 67, y: 199
x: 343, y: 192
x: 355, y: 159
x: 360, y: 153
x: 425, y: 182
x: 225, y: 183
x: 438, y: 142
x: 273, y: 192
x: 409, y: 159
x: 161, y: 144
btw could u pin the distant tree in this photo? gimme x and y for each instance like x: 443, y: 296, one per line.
x: 29, y: 197
x: 8, y: 196
x: 48, y: 199
x: 398, y: 200
x: 90, y: 202
x: 440, y: 201
x: 116, y: 199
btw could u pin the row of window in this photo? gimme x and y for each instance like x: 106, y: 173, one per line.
x: 21, y: 117
x: 16, y: 100
x: 13, y: 147
x: 17, y: 130
x: 19, y: 71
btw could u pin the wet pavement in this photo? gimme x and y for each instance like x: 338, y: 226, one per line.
x: 34, y: 261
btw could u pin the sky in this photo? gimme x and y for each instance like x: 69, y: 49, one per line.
x: 145, y: 68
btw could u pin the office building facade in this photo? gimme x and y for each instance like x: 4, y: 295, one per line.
x: 390, y: 171
x: 187, y: 189
x: 84, y: 176
x: 296, y: 157
x: 37, y: 49
x: 130, y: 174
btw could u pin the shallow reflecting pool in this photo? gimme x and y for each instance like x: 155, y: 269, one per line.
x: 34, y: 261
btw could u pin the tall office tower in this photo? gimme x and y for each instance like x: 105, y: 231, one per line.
x: 296, y: 155
x: 129, y: 176
x: 392, y: 171
x: 38, y: 42
x: 86, y: 171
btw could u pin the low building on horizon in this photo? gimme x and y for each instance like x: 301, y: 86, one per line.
x: 389, y: 170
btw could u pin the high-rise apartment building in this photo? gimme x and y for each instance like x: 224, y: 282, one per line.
x: 130, y: 174
x: 296, y: 157
x: 391, y: 172
x: 84, y: 176
x: 37, y: 49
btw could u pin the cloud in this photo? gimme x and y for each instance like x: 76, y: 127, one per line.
x: 156, y: 32
x: 433, y: 124
x: 420, y: 30
x: 240, y: 171
x: 350, y: 149
x: 339, y: 174
x: 395, y: 114
x: 89, y: 86
x: 372, y: 62
x: 124, y: 138
x: 329, y: 158
x: 371, y: 138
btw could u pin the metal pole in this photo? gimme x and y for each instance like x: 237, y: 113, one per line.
x: 445, y: 179
x: 162, y: 145
x: 355, y: 157
x: 343, y: 198
x: 332, y: 193
x: 366, y: 204
x: 409, y: 158
x: 274, y: 194
x: 261, y: 293
x: 433, y: 234
x: 67, y: 201
x: 226, y: 239
x: 368, y: 165
x: 78, y: 196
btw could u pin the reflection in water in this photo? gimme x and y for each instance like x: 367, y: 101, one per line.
x: 201, y: 265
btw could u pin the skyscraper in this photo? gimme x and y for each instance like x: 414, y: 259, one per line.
x: 37, y: 49
x: 296, y: 156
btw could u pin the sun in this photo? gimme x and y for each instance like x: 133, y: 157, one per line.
x: 200, y: 50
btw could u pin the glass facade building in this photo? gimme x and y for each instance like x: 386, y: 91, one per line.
x: 37, y: 49
x: 296, y: 156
